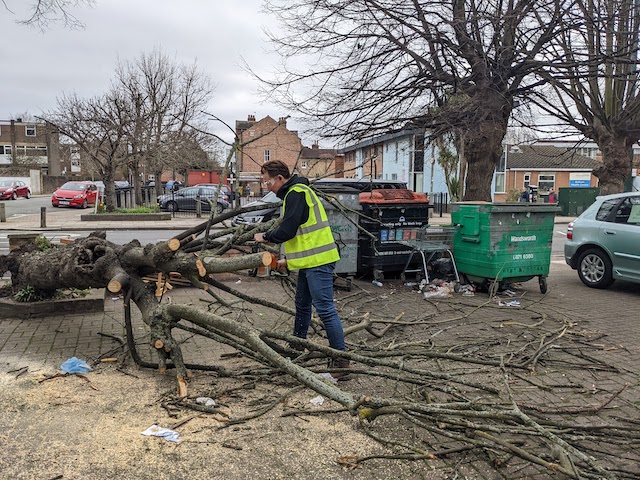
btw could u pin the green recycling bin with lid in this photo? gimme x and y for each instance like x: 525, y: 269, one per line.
x: 503, y: 243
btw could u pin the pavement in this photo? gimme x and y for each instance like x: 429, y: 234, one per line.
x: 70, y: 220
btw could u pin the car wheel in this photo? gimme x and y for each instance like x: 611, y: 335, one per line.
x: 172, y: 206
x: 14, y: 196
x: 85, y: 204
x: 219, y: 208
x: 28, y: 194
x: 54, y: 205
x: 595, y: 269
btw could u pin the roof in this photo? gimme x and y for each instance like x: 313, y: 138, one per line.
x: 546, y: 157
x: 382, y: 138
x: 319, y: 153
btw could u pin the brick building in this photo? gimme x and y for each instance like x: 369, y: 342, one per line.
x: 544, y: 166
x: 30, y: 144
x: 268, y: 139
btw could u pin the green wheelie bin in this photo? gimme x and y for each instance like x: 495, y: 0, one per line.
x: 503, y: 243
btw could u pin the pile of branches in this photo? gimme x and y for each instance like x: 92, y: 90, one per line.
x: 459, y: 399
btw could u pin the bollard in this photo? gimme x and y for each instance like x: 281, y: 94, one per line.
x: 43, y: 217
x: 198, y: 206
x: 3, y: 213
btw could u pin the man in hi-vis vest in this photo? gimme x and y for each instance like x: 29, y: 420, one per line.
x: 309, y: 248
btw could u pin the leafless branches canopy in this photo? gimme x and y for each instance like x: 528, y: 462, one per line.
x: 151, y: 117
x: 593, y: 87
x: 380, y: 64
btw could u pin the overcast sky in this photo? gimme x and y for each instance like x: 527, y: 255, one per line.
x: 38, y: 67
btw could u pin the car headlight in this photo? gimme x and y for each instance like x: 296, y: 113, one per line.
x: 54, y: 194
x: 9, y: 190
x: 78, y: 196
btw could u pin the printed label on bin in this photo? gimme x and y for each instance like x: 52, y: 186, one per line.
x: 524, y: 238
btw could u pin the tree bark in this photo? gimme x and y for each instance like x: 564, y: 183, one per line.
x: 617, y: 161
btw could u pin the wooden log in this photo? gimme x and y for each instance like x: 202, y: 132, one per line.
x: 117, y: 283
x: 202, y: 271
x: 173, y: 244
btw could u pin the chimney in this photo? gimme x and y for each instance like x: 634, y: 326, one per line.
x: 251, y: 118
x: 315, y: 146
x: 283, y: 121
x: 19, y: 119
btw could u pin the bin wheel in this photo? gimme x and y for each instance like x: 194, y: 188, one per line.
x: 378, y: 275
x: 403, y: 277
x: 456, y: 287
x: 543, y: 284
x: 493, y: 289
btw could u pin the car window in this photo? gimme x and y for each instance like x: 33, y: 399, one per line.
x: 629, y: 211
x: 606, y: 209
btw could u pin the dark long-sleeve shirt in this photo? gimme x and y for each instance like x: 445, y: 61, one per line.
x: 296, y: 212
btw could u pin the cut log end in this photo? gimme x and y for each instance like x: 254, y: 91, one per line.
x: 182, y: 388
x: 202, y: 271
x: 266, y: 258
x: 173, y: 244
x: 158, y: 344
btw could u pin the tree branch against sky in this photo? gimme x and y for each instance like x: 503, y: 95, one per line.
x: 42, y: 14
x: 374, y: 65
x: 594, y: 89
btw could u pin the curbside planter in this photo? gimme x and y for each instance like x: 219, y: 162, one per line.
x: 124, y: 217
x: 92, y: 303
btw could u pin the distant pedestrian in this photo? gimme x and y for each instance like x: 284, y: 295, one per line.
x: 553, y: 198
x: 524, y: 196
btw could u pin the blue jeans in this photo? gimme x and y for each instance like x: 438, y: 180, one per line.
x: 315, y: 287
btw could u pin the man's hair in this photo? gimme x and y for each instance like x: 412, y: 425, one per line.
x: 273, y: 168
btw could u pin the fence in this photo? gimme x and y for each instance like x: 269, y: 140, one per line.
x: 440, y: 202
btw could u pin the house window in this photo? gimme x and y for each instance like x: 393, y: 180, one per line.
x: 5, y: 149
x: 394, y: 176
x: 527, y: 180
x: 30, y: 130
x: 252, y: 133
x: 500, y: 175
x: 303, y: 164
x: 267, y: 155
x: 546, y: 182
x: 500, y: 182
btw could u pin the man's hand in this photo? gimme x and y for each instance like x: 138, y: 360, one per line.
x: 259, y: 237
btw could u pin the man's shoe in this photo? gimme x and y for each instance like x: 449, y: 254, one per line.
x: 340, y: 363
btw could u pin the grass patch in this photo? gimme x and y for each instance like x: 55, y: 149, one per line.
x: 155, y: 209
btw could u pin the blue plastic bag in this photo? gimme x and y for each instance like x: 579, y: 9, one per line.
x: 75, y: 365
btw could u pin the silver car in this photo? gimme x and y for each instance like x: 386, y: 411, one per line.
x: 603, y: 243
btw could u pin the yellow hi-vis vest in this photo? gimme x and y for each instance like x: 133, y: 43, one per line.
x: 313, y: 243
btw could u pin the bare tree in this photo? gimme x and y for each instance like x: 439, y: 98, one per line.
x: 166, y: 102
x: 43, y: 13
x: 99, y: 127
x: 594, y: 87
x: 377, y: 64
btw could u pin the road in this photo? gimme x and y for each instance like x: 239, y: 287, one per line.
x: 23, y: 206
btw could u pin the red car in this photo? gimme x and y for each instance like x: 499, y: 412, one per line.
x: 12, y: 189
x: 75, y: 194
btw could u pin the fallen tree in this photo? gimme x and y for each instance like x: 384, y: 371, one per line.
x: 457, y: 399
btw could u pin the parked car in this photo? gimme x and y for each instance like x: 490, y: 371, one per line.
x: 75, y: 194
x: 173, y: 185
x: 257, y: 216
x: 185, y: 199
x: 12, y: 189
x: 122, y: 185
x: 603, y: 244
x: 328, y: 185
